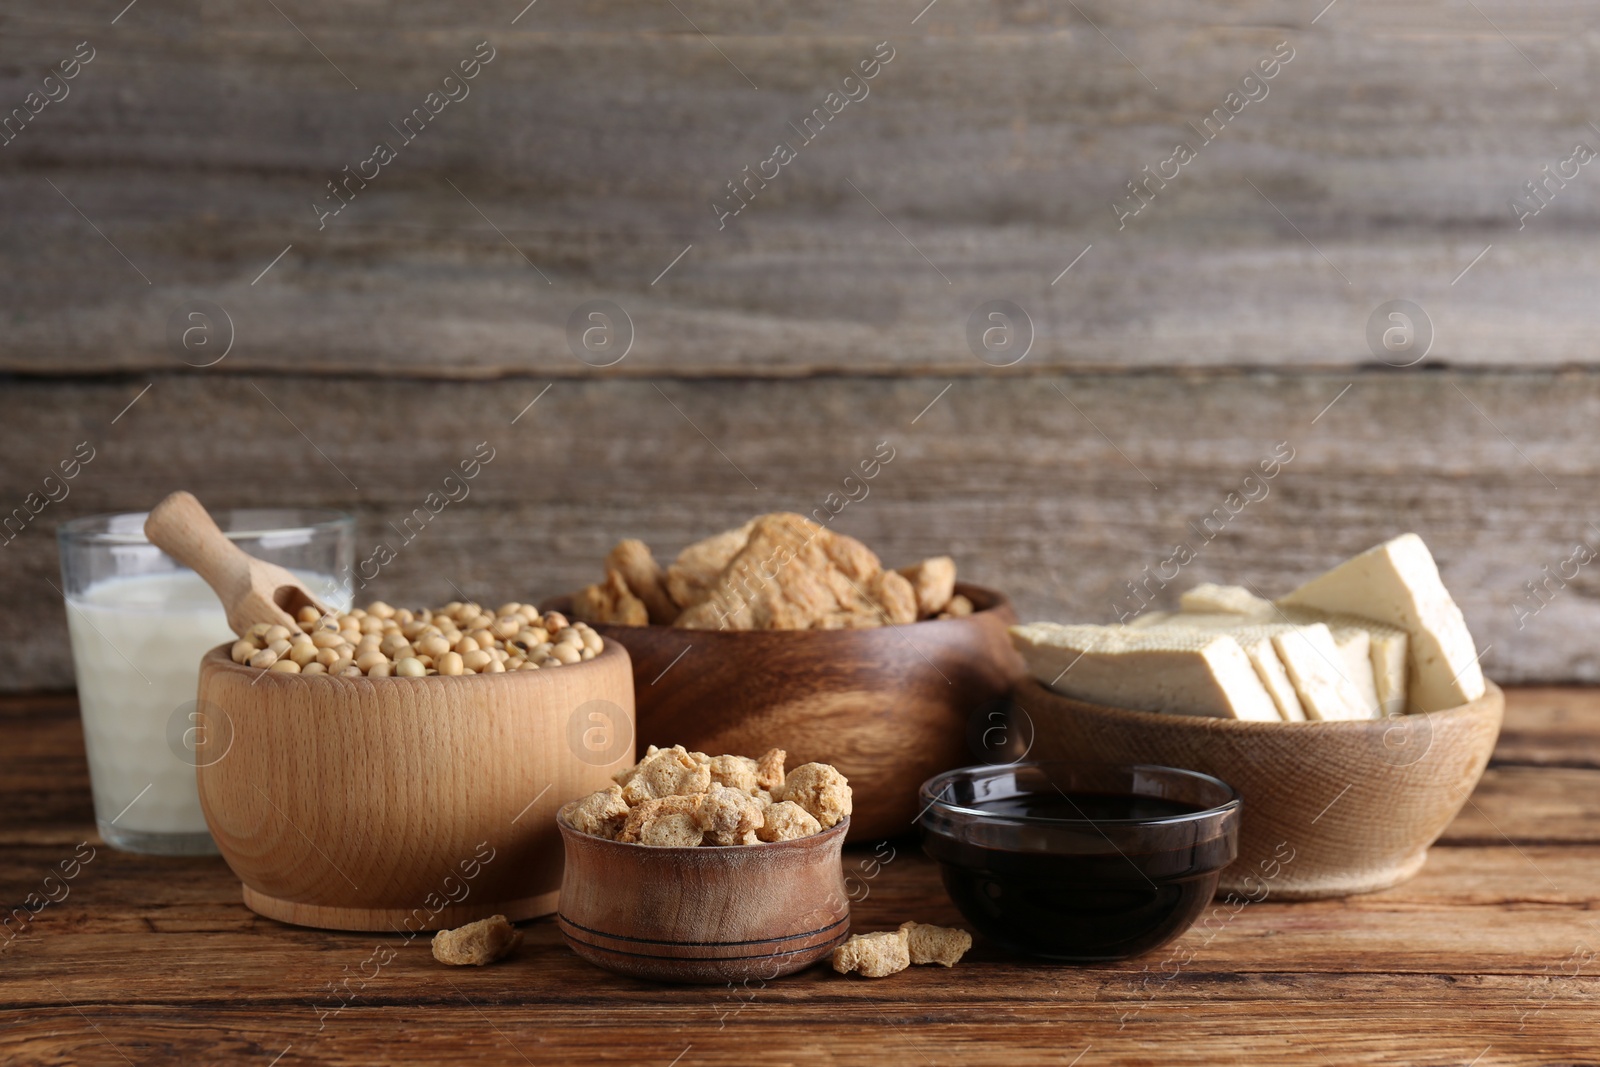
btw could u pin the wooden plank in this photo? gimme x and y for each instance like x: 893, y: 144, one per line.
x: 1200, y: 1031
x: 1057, y: 490
x: 994, y: 145
x: 1549, y: 727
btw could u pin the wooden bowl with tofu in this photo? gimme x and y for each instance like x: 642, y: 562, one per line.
x: 1330, y: 808
x: 1350, y: 715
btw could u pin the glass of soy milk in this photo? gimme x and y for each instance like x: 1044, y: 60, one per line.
x: 139, y: 623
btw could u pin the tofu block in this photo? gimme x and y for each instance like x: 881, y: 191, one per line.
x: 1318, y: 669
x: 1209, y: 598
x: 1178, y: 672
x: 1398, y: 583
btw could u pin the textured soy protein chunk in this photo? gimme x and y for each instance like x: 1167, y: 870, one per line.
x: 935, y: 944
x: 601, y: 814
x: 674, y: 797
x: 769, y: 769
x: 873, y: 955
x: 787, y: 821
x: 820, y: 789
x: 729, y: 815
x: 476, y: 944
x: 670, y: 822
x: 670, y: 772
x: 611, y: 601
x: 735, y: 772
x: 933, y: 581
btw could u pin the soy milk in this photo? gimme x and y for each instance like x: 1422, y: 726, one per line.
x: 136, y: 644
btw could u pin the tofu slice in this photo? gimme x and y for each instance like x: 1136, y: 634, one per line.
x: 1263, y: 653
x: 1318, y: 669
x: 1179, y: 673
x: 1256, y: 640
x: 1398, y: 583
x: 1150, y: 618
x: 1209, y: 598
x: 1355, y: 649
x: 1386, y: 652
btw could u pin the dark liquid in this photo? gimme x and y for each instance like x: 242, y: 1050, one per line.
x: 1082, y: 908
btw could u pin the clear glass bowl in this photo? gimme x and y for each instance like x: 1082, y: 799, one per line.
x: 1080, y: 862
x: 140, y: 622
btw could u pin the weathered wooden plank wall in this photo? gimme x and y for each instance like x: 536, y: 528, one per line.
x: 986, y: 156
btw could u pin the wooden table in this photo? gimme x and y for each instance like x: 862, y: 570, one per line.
x: 1488, y: 957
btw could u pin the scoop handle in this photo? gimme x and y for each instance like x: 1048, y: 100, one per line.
x: 182, y: 528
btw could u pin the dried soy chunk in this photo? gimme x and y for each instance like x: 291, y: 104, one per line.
x: 892, y: 593
x: 476, y: 944
x: 610, y: 601
x: 722, y: 800
x: 600, y: 814
x: 691, y: 576
x: 786, y: 821
x: 958, y: 607
x: 820, y: 789
x: 670, y: 822
x: 735, y: 772
x: 769, y: 769
x: 670, y: 772
x: 644, y: 578
x: 873, y: 955
x: 934, y: 583
x: 729, y: 816
x: 935, y: 944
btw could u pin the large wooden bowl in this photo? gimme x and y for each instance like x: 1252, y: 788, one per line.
x: 1330, y: 808
x: 707, y: 914
x: 890, y: 707
x: 404, y: 804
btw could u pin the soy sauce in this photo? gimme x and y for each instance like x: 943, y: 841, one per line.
x: 1107, y: 905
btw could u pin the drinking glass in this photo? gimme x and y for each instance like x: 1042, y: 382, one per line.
x: 139, y: 622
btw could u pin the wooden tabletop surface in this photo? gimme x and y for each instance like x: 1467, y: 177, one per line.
x: 1488, y: 957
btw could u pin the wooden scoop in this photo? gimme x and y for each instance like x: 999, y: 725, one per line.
x: 251, y: 590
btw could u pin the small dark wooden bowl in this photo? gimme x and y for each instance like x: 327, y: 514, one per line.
x: 704, y: 915
x: 889, y: 707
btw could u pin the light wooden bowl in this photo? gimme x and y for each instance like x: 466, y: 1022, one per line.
x: 1355, y: 804
x: 707, y: 914
x: 372, y: 803
x: 889, y: 707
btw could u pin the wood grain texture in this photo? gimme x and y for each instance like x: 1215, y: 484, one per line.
x: 1331, y: 809
x: 713, y: 915
x: 404, y: 803
x: 154, y: 959
x: 889, y: 707
x: 589, y: 152
x: 1057, y: 491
